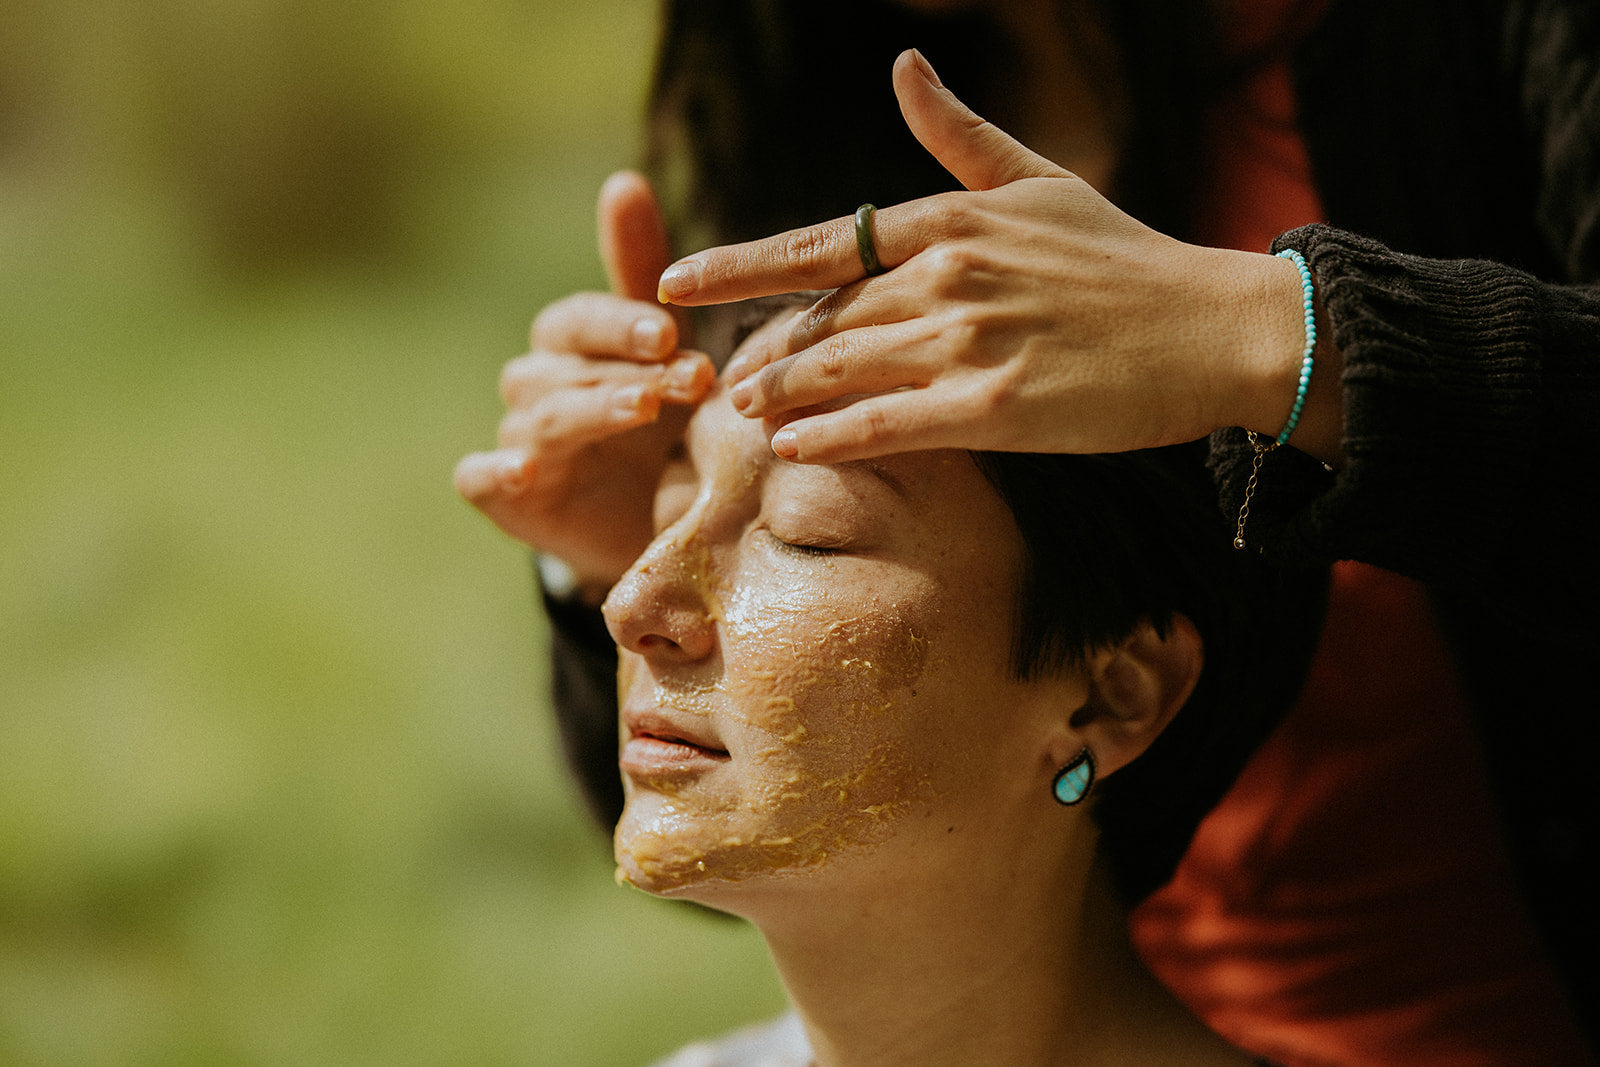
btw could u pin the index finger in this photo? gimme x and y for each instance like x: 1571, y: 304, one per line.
x: 824, y: 256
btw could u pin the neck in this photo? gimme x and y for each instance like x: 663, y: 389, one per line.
x: 983, y: 970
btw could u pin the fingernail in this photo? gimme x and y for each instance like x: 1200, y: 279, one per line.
x: 680, y: 280
x: 681, y: 377
x: 513, y: 473
x: 628, y: 401
x: 645, y: 337
x: 785, y: 444
x: 473, y: 474
x: 737, y: 369
x: 927, y: 68
x: 742, y: 394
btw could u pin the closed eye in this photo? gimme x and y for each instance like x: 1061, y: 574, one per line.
x: 811, y: 550
x: 807, y: 547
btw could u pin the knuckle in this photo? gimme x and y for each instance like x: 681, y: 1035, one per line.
x: 951, y: 263
x: 544, y: 323
x: 514, y: 429
x: 769, y: 384
x: 1002, y: 388
x: 817, y: 316
x: 515, y: 378
x: 812, y: 324
x: 952, y: 216
x: 832, y: 364
x: 527, y: 378
x: 961, y: 333
x: 989, y: 337
x: 560, y: 324
x: 543, y: 425
x: 876, y: 424
x: 803, y: 251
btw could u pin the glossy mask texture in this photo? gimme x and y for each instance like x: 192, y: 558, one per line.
x: 803, y: 715
x: 809, y: 656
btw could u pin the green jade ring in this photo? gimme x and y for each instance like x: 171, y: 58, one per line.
x: 864, y: 244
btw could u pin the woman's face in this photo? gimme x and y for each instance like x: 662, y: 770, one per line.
x: 814, y: 659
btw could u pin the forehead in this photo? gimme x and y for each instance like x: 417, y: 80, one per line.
x: 936, y: 497
x: 934, y: 511
x: 716, y: 430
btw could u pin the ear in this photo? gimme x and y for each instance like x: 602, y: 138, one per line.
x: 1135, y: 688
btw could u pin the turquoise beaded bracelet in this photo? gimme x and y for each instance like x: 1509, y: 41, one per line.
x: 1311, y: 341
x: 1258, y: 449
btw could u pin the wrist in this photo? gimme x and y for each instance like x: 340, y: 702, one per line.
x: 1269, y: 397
x: 1271, y: 346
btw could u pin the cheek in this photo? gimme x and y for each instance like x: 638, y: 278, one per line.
x: 815, y: 701
x: 806, y: 651
x: 826, y: 690
x: 861, y: 707
x: 846, y: 696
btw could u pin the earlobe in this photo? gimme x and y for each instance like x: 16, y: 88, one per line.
x: 1135, y: 690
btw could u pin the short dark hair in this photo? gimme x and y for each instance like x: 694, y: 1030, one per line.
x: 1111, y: 541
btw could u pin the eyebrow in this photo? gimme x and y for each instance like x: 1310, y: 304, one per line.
x: 877, y: 470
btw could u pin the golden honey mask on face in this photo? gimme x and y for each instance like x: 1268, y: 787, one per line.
x: 811, y: 658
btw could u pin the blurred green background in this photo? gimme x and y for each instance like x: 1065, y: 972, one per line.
x: 277, y: 784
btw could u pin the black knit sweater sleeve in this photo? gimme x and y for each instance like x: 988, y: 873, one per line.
x: 1471, y: 388
x: 1471, y: 394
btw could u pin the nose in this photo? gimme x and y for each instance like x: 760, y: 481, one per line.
x: 663, y: 607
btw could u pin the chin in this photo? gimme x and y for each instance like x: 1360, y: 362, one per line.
x: 665, y: 847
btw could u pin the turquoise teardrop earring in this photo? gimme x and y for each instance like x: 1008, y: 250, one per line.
x: 1073, y: 781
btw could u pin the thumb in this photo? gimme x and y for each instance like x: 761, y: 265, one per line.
x: 978, y: 153
x: 633, y: 236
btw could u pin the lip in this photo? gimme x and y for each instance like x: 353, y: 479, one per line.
x: 658, y: 746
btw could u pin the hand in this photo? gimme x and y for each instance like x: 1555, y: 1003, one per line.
x: 1026, y: 314
x: 595, y: 407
